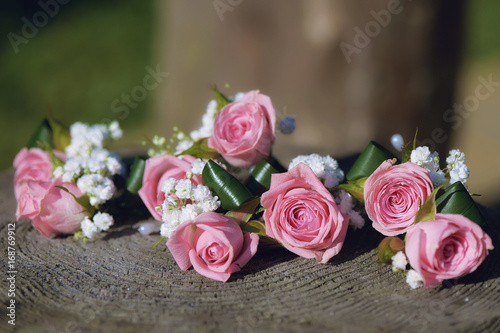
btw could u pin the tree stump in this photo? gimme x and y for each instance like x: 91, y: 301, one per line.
x: 121, y: 283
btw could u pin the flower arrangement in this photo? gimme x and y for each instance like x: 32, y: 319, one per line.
x: 217, y: 194
x: 65, y: 176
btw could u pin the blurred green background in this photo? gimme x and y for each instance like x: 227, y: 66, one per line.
x: 92, y: 52
x: 84, y: 58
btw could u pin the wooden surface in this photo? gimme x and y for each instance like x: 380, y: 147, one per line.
x: 122, y: 284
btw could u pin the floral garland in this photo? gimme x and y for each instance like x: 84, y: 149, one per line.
x: 218, y: 192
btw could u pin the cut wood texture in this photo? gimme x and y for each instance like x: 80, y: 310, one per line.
x: 120, y: 283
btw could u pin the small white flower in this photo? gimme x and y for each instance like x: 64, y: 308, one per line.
x: 115, y: 130
x: 399, y: 261
x: 167, y: 229
x: 183, y: 189
x: 113, y: 165
x: 201, y: 193
x: 197, y: 166
x: 459, y: 172
x: 455, y: 156
x: 423, y: 157
x: 189, y: 212
x: 58, y: 172
x: 103, y: 221
x: 171, y: 216
x: 414, y: 279
x: 209, y: 204
x: 89, y: 229
x: 168, y: 186
x: 182, y: 146
x: 324, y: 167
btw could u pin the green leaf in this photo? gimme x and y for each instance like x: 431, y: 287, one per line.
x: 260, y: 178
x: 221, y: 100
x: 200, y: 149
x: 355, y: 188
x: 369, y: 160
x: 42, y: 134
x: 230, y: 191
x: 134, y: 181
x: 457, y: 200
x: 259, y: 228
x: 428, y: 210
x: 60, y: 134
x: 256, y: 227
x: 245, y: 211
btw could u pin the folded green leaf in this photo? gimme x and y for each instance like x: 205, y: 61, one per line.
x: 369, y: 160
x: 42, y: 134
x: 230, y: 191
x: 457, y: 200
x: 200, y: 149
x: 134, y: 181
x: 244, y: 212
x: 355, y: 188
x: 260, y: 178
x: 221, y: 100
x: 256, y: 227
x: 428, y: 210
x: 60, y: 134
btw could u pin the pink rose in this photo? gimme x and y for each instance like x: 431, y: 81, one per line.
x: 449, y: 247
x: 213, y: 244
x: 59, y: 212
x: 33, y: 164
x: 393, y: 195
x: 32, y: 178
x: 302, y: 215
x: 158, y: 169
x: 244, y: 130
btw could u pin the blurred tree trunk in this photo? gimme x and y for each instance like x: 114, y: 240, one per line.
x: 349, y: 71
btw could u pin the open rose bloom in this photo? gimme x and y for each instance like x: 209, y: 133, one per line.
x: 393, y: 195
x: 244, y: 131
x: 302, y: 215
x: 448, y: 247
x: 158, y: 169
x: 213, y: 244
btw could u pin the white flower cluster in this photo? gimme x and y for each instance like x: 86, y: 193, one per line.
x: 184, y: 201
x: 399, y: 264
x: 325, y: 167
x: 423, y: 157
x: 100, y: 222
x: 414, y: 279
x: 459, y: 172
x: 89, y: 164
x: 85, y: 138
x: 456, y: 168
x: 346, y: 206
